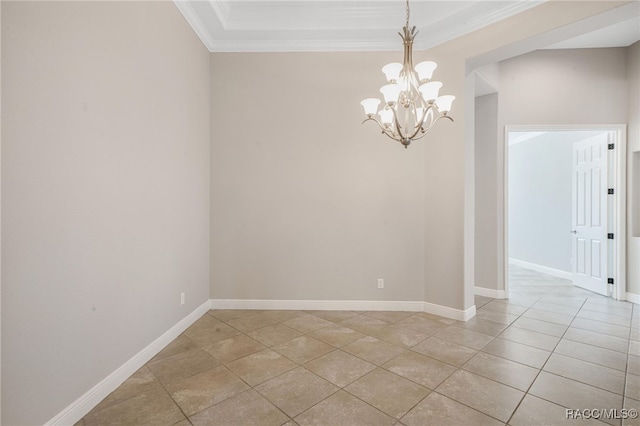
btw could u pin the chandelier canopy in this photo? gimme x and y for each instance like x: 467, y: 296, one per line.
x: 411, y: 102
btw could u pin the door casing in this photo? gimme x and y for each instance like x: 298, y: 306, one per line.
x: 618, y: 208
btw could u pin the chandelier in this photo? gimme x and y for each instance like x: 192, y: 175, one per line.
x: 411, y: 102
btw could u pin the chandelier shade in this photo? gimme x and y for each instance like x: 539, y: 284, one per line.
x: 412, y: 104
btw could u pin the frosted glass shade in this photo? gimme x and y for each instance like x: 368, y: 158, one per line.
x: 425, y: 70
x: 444, y: 103
x: 370, y: 105
x: 390, y: 93
x: 386, y: 116
x: 392, y: 71
x: 430, y: 90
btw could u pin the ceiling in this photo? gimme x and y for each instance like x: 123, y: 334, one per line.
x: 358, y: 25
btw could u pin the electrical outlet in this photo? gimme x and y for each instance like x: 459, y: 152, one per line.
x: 182, y: 298
x: 380, y: 282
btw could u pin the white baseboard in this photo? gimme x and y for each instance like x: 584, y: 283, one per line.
x: 452, y: 313
x: 545, y: 270
x: 490, y: 292
x: 345, y: 305
x: 633, y: 298
x: 318, y: 305
x: 80, y: 407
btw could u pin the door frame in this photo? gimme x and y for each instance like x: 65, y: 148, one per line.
x: 618, y: 209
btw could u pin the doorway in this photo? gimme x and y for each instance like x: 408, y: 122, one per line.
x: 552, y: 177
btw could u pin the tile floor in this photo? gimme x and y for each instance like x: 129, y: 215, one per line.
x: 521, y: 361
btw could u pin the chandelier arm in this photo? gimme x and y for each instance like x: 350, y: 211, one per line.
x: 431, y: 126
x: 383, y: 128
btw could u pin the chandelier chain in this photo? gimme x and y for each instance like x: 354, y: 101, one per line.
x: 407, y: 21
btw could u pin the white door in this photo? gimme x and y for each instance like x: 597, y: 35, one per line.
x: 589, y: 221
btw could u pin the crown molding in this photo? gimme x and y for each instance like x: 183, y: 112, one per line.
x: 335, y: 26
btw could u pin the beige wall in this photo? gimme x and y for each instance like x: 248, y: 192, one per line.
x: 633, y: 170
x: 105, y: 192
x: 486, y: 135
x: 307, y: 203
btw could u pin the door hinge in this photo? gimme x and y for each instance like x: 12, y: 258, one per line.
x: 611, y: 146
x: 610, y: 191
x: 609, y: 280
x: 610, y: 236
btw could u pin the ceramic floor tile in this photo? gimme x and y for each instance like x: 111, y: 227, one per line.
x: 445, y: 351
x: 198, y: 392
x: 307, y: 323
x: 517, y: 352
x: 420, y: 369
x: 251, y: 322
x: 281, y: 316
x: 481, y: 300
x: 586, y: 372
x: 247, y: 408
x: 296, y: 390
x: 388, y: 316
x: 340, y: 368
x: 180, y: 344
x: 333, y: 316
x: 261, y: 366
x: 439, y: 410
x: 491, y: 398
x: 572, y: 394
x: 400, y: 335
x: 593, y: 354
x: 605, y: 317
x: 364, y: 323
x: 182, y: 365
x: 534, y: 411
x: 483, y: 326
x: 632, y: 387
x: 303, y: 349
x: 388, y: 392
x: 274, y: 334
x: 530, y: 338
x: 229, y: 314
x: 538, y: 326
x: 373, y: 350
x: 601, y: 327
x: 204, y: 336
x: 634, y: 348
x: 141, y: 382
x: 558, y: 308
x: 495, y: 316
x: 502, y: 370
x: 597, y: 339
x: 426, y: 323
x: 438, y: 319
x: 505, y: 306
x: 344, y: 409
x: 633, y: 365
x: 554, y: 317
x: 233, y: 348
x: 622, y: 311
x: 336, y: 335
x: 152, y: 408
x: 632, y: 404
x: 464, y: 337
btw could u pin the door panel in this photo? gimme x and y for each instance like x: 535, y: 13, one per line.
x: 589, y: 216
